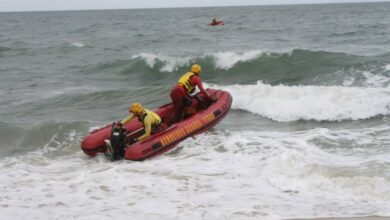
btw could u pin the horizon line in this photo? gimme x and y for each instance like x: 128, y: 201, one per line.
x: 184, y: 7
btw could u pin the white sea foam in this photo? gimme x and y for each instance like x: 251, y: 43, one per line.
x: 226, y: 60
x: 169, y: 63
x: 77, y: 44
x: 219, y: 175
x: 387, y: 67
x: 373, y: 80
x: 223, y: 60
x: 291, y: 103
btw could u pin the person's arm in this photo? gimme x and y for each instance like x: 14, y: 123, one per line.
x: 127, y: 119
x: 148, y: 129
x: 195, y: 80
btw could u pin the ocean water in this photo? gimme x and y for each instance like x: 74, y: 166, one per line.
x: 308, y: 134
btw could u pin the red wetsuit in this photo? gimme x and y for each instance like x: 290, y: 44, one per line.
x: 178, y: 94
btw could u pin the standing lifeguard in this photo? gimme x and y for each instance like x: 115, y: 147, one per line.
x: 180, y: 92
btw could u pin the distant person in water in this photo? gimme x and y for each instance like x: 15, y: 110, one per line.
x: 214, y: 22
x: 180, y: 93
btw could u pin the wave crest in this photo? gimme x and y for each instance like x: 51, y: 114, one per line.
x: 320, y: 103
x: 221, y: 60
x: 297, y: 67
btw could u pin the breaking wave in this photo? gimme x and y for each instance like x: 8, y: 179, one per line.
x: 320, y: 103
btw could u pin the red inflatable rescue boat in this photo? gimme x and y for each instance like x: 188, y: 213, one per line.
x: 199, y: 119
x: 217, y: 23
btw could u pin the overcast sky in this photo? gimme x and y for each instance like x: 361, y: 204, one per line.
x: 48, y: 5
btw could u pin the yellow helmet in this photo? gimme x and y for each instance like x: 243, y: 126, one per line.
x: 196, y: 69
x: 136, y: 108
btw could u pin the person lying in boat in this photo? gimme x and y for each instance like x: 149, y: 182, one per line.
x: 150, y: 120
x: 180, y: 93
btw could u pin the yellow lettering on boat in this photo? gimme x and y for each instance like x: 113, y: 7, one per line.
x: 188, y: 129
x: 208, y: 118
x: 198, y: 124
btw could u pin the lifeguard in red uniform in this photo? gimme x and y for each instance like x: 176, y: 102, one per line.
x: 180, y: 93
x: 214, y: 22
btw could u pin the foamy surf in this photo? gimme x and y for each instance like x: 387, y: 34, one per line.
x: 77, y: 44
x: 267, y: 175
x: 223, y: 60
x: 226, y: 60
x: 169, y: 63
x: 320, y: 103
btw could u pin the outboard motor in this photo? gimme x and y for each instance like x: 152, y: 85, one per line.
x: 116, y: 145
